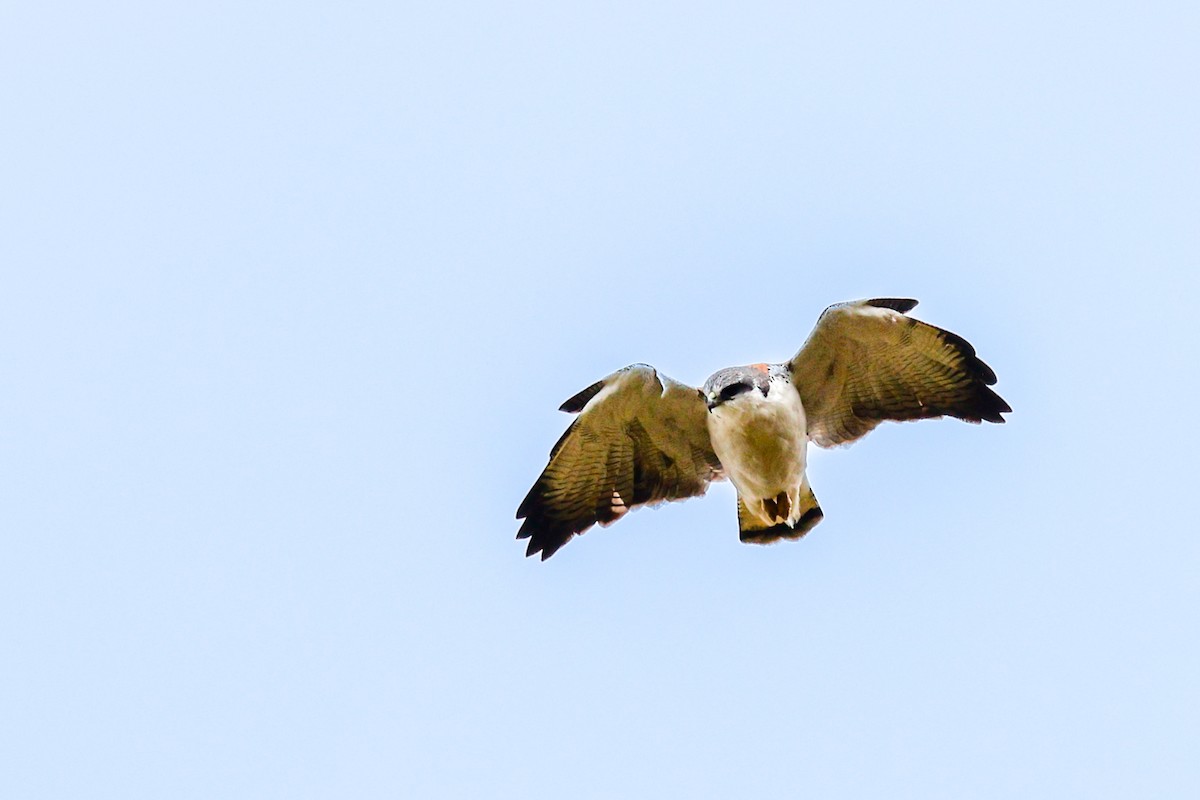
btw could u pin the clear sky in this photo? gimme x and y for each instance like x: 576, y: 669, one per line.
x: 291, y: 292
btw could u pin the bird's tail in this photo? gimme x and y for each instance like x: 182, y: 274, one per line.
x: 752, y: 529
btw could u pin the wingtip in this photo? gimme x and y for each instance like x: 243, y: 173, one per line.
x: 544, y: 538
x: 996, y: 414
x: 542, y: 548
x: 990, y: 407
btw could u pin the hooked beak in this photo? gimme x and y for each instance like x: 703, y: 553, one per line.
x: 712, y: 400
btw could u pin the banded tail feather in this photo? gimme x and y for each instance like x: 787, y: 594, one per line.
x: 753, y: 530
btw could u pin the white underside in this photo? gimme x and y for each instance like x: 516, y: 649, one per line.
x: 762, y: 444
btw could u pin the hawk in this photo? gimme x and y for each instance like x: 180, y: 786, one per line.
x: 641, y: 438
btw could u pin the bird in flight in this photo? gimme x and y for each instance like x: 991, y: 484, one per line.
x: 641, y: 438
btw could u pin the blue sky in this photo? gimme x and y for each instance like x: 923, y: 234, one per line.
x: 292, y: 293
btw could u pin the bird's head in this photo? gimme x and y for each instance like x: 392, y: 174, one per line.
x: 732, y: 382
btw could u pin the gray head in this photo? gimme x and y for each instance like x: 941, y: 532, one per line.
x: 726, y: 384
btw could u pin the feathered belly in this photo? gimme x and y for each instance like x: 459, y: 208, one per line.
x: 762, y: 444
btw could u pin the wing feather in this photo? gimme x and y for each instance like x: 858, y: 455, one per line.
x: 868, y: 361
x: 640, y: 439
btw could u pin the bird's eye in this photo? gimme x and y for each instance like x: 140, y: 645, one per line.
x: 733, y: 390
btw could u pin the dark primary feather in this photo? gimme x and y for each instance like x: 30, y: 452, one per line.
x: 576, y: 402
x: 903, y: 305
x: 646, y: 441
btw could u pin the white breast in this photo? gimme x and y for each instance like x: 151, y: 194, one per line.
x: 761, y: 441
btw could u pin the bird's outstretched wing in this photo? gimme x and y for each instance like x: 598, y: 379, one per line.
x: 867, y: 362
x: 640, y: 438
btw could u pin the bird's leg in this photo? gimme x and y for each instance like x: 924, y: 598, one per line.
x: 783, y: 505
x: 778, y: 508
x: 770, y: 508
